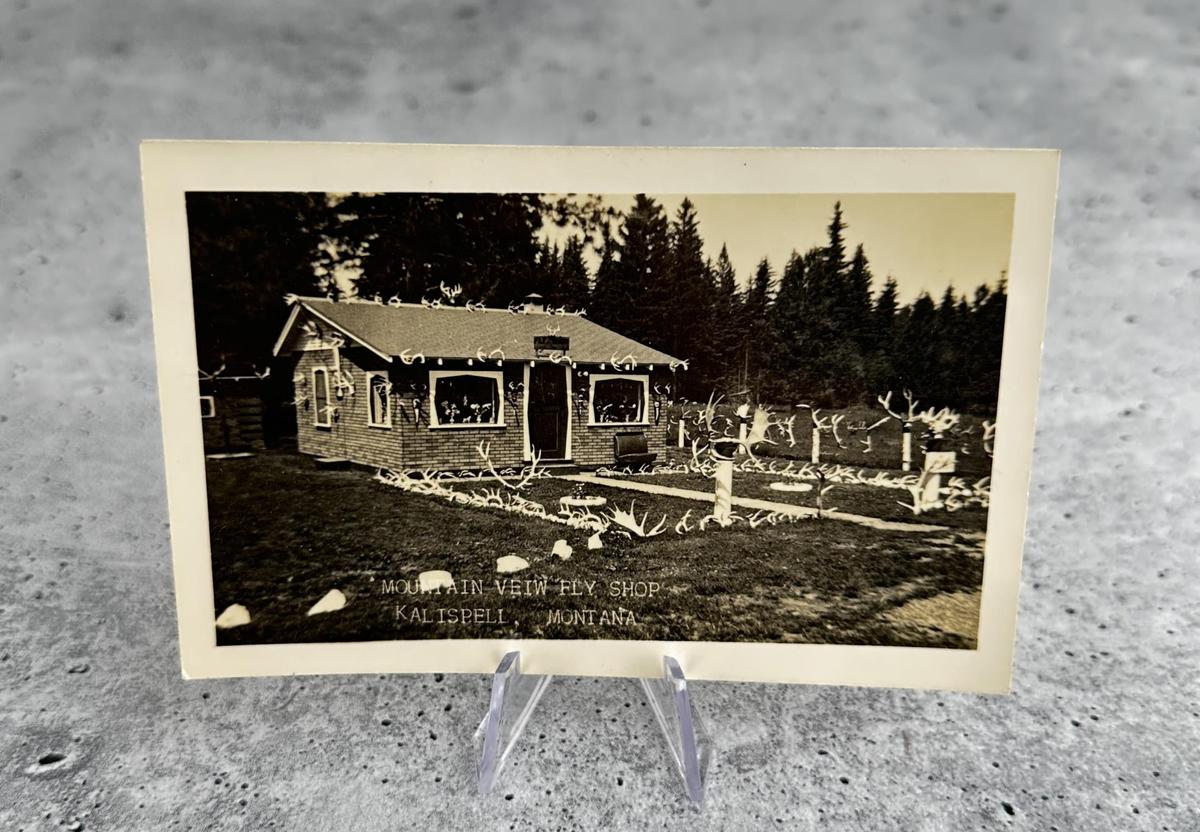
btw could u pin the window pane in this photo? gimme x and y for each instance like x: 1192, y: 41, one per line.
x: 617, y: 400
x: 321, y: 397
x: 380, y: 404
x: 466, y: 399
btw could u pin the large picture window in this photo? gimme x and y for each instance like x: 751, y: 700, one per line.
x: 618, y: 400
x: 379, y: 401
x: 322, y: 415
x: 465, y: 399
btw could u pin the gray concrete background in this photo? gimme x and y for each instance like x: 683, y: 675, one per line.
x: 1103, y: 728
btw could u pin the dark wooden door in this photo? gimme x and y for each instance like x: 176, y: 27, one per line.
x: 548, y: 410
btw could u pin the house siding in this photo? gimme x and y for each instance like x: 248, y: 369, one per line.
x: 237, y: 422
x: 411, y: 443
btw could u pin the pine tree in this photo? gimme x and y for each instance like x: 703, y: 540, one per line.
x: 756, y: 345
x: 633, y: 297
x: 835, y: 251
x: 247, y: 251
x: 857, y: 297
x: 881, y: 374
x: 607, y: 291
x: 916, y: 349
x: 411, y: 243
x: 791, y: 330
x: 727, y: 321
x: 884, y: 314
x: 691, y: 294
x: 572, y: 288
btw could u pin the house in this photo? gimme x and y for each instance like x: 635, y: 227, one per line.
x: 231, y: 413
x: 240, y: 410
x: 410, y: 386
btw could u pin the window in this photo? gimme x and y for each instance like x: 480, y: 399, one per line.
x: 465, y: 399
x: 379, y: 401
x: 322, y: 408
x: 208, y: 407
x: 618, y: 400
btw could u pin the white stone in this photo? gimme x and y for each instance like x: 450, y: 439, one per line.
x: 790, y: 486
x: 511, y: 563
x: 562, y: 549
x: 594, y: 542
x: 235, y: 615
x: 333, y: 601
x: 435, y: 579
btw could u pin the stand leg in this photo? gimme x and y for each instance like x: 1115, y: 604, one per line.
x: 684, y: 732
x: 514, y: 697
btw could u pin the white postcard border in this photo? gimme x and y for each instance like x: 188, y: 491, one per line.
x: 170, y: 168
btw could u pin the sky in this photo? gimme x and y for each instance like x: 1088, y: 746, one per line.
x: 925, y: 241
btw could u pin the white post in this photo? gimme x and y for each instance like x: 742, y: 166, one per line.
x: 723, y: 504
x: 681, y: 431
x: 816, y: 446
x: 929, y: 486
x: 906, y: 447
x: 929, y: 491
x: 742, y: 428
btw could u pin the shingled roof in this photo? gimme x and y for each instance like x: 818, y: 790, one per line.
x: 458, y: 332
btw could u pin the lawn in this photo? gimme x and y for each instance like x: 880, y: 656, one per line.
x: 284, y: 533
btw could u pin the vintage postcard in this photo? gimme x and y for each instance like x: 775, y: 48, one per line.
x: 770, y: 412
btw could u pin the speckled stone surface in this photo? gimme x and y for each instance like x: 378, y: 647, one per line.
x: 1102, y: 731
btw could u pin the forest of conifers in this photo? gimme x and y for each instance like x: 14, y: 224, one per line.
x: 819, y: 329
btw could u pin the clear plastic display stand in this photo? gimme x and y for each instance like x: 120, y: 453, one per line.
x: 515, y: 696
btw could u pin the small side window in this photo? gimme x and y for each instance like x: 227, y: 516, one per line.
x: 379, y: 402
x: 208, y: 407
x: 322, y: 407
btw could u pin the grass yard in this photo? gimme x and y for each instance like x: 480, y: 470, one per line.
x: 285, y: 533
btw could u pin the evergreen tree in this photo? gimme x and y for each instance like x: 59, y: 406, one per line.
x: 545, y: 273
x: 857, y: 299
x: 881, y: 373
x: 571, y: 290
x: 247, y: 251
x: 884, y: 314
x: 691, y: 295
x: 756, y: 345
x: 727, y: 321
x: 411, y: 243
x: 608, y: 291
x: 835, y: 251
x: 915, y: 358
x: 983, y: 342
x: 636, y: 298
x: 791, y: 331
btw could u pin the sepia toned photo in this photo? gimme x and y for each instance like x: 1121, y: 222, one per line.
x: 564, y: 416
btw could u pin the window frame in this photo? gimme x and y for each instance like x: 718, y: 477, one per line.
x: 387, y: 422
x: 496, y: 376
x: 643, y: 422
x: 211, y: 401
x: 317, y: 418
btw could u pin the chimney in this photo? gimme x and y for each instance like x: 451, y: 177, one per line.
x: 534, y: 303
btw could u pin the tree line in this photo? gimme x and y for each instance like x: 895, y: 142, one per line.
x: 821, y: 330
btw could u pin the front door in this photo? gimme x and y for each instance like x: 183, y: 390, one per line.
x: 548, y: 411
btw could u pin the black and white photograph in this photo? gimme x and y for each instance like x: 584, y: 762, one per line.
x: 705, y: 417
x: 676, y: 417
